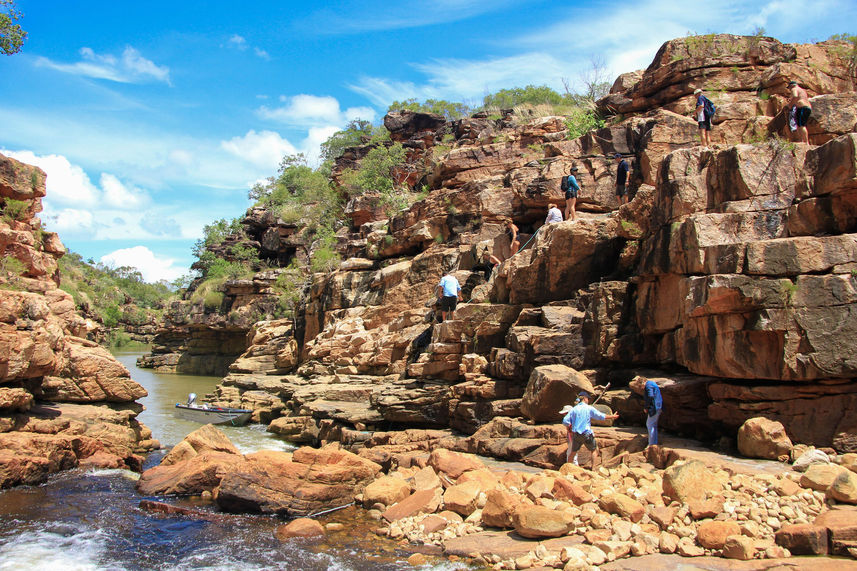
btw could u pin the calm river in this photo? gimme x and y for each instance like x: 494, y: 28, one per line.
x: 89, y: 520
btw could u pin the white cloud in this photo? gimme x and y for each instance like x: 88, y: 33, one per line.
x: 264, y: 149
x: 118, y: 195
x: 130, y: 67
x: 66, y: 183
x: 262, y: 54
x: 309, y: 110
x: 151, y: 266
x: 238, y: 42
x: 71, y: 220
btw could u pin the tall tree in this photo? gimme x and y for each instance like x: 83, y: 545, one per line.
x: 12, y: 35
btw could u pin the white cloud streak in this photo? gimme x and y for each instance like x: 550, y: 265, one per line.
x: 129, y: 67
x: 152, y: 267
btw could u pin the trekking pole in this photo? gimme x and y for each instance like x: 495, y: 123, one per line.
x: 603, y: 392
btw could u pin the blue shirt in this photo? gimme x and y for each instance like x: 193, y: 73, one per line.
x: 580, y: 418
x: 622, y: 172
x: 572, y: 182
x: 450, y: 286
x: 653, y: 397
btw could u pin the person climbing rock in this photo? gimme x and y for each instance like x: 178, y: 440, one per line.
x: 799, y: 101
x: 449, y: 292
x: 653, y: 404
x: 486, y: 265
x: 512, y: 233
x: 554, y: 214
x: 702, y: 118
x: 578, y: 424
x: 621, y: 179
x: 572, y: 188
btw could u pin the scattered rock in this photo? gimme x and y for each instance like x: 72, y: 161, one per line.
x: 712, y: 534
x: 301, y: 527
x: 763, y: 438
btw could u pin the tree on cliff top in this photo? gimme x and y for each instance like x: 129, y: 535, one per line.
x: 12, y: 36
x: 448, y: 109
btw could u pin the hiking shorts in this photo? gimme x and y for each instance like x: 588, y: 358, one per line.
x: 448, y: 303
x: 570, y: 193
x: 802, y: 115
x: 578, y: 440
x: 621, y: 190
x: 705, y: 125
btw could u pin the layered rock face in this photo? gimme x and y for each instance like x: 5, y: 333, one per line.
x: 64, y: 401
x: 728, y: 278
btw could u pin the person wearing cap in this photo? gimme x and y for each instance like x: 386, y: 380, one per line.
x: 554, y: 214
x: 653, y: 403
x: 578, y: 424
x: 571, y: 194
x: 702, y: 118
x: 621, y: 179
x: 799, y: 101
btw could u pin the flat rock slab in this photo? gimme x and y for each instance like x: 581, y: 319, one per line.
x: 506, y: 544
x: 662, y: 562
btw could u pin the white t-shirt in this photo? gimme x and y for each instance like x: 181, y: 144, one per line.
x: 554, y: 215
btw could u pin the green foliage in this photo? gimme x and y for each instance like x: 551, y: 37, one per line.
x: 849, y: 52
x: 289, y: 286
x: 213, y: 300
x: 357, y: 132
x: 448, y: 109
x: 118, y: 338
x: 14, y: 209
x: 11, y: 268
x: 379, y: 172
x: 581, y: 120
x: 699, y: 45
x: 12, y: 35
x: 529, y: 95
x: 324, y: 256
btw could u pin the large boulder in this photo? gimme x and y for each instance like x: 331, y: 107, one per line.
x: 386, y: 490
x: 549, y: 388
x: 207, y: 438
x: 191, y: 476
x: 690, y: 481
x: 712, y: 534
x: 453, y: 464
x: 763, y: 438
x: 540, y: 521
x: 308, y: 481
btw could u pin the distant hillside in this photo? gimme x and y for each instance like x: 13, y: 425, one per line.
x: 124, y: 306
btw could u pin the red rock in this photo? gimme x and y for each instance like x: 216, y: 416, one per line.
x: 622, y: 505
x: 689, y: 481
x: 565, y: 490
x: 712, y: 534
x: 549, y: 388
x: 386, y: 490
x: 702, y: 509
x: 662, y: 515
x: 739, y: 547
x: 539, y: 521
x: 841, y: 526
x: 453, y: 464
x: 763, y: 438
x: 300, y: 527
x: 422, y: 501
x: 499, y: 507
x: 189, y: 477
x: 803, y: 539
x: 207, y: 438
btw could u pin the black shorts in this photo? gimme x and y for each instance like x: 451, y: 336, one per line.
x: 705, y: 125
x: 570, y: 193
x: 448, y: 303
x: 578, y: 440
x: 802, y: 115
x: 621, y: 190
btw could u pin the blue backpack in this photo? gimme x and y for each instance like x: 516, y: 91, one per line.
x: 708, y: 108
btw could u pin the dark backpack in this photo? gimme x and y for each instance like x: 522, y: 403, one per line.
x: 708, y: 108
x: 563, y: 185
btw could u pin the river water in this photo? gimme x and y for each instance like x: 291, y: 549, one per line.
x: 89, y: 520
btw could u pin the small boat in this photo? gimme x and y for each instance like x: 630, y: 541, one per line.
x: 207, y: 414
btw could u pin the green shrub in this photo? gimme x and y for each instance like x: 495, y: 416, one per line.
x: 582, y: 120
x: 110, y: 315
x: 450, y: 110
x: 15, y: 209
x: 213, y: 300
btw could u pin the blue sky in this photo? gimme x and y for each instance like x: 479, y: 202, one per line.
x: 153, y: 119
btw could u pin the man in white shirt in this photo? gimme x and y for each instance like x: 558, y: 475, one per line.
x: 449, y: 292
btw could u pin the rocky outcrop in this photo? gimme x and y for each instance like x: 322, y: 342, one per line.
x: 727, y: 279
x: 64, y: 401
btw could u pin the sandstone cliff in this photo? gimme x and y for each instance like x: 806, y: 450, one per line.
x: 64, y: 401
x: 728, y: 278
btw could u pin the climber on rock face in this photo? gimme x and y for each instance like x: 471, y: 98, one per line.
x: 799, y: 101
x: 571, y: 190
x: 621, y: 179
x: 449, y: 292
x: 702, y: 118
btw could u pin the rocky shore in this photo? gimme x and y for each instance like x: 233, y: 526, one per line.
x: 663, y: 500
x: 64, y: 400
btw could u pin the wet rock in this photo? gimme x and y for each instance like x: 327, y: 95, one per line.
x: 300, y: 527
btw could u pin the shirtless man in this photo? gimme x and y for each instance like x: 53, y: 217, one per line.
x: 800, y: 101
